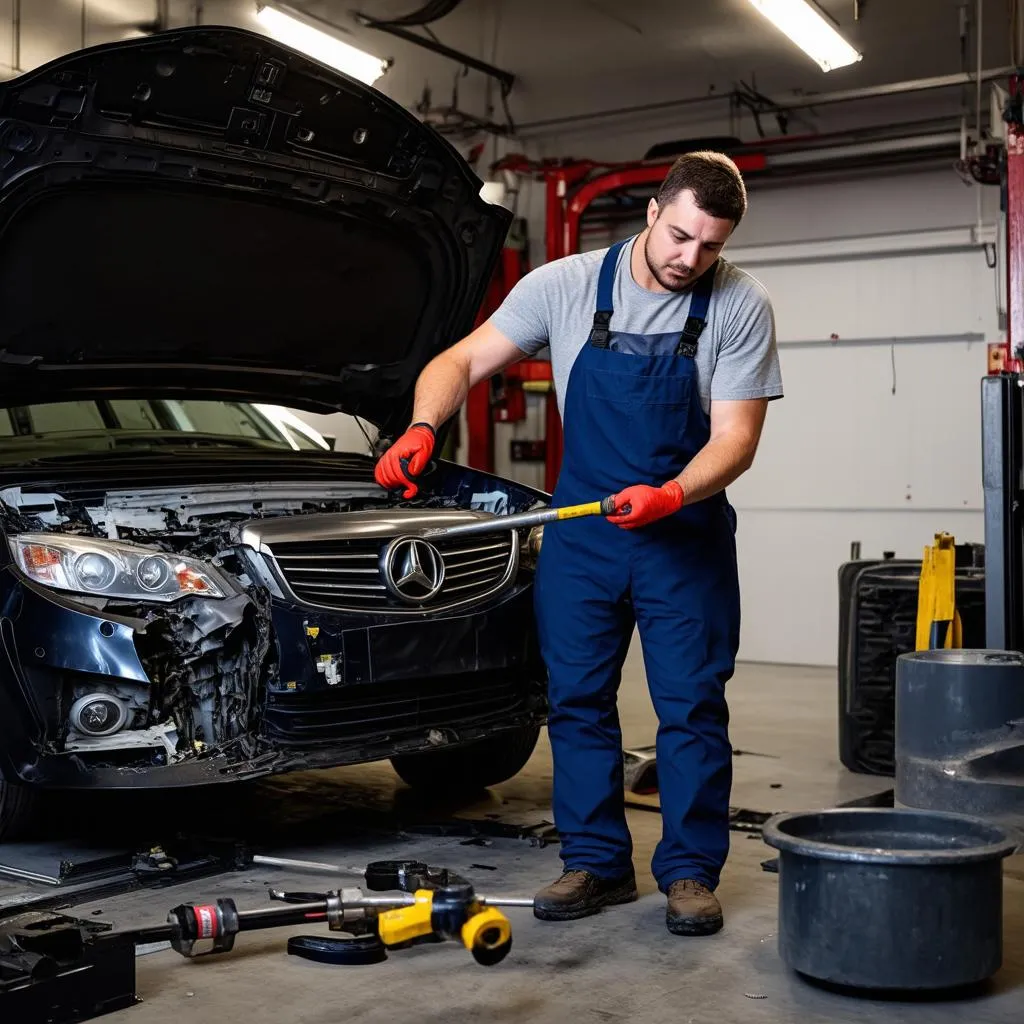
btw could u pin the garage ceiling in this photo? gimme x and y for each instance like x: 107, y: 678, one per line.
x: 580, y: 55
x: 573, y: 57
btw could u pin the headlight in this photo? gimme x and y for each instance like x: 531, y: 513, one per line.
x: 529, y: 550
x: 86, y: 566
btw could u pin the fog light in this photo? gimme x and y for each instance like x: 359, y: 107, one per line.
x: 98, y: 714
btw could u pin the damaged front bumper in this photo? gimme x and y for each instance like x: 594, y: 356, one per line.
x: 327, y: 690
x: 68, y: 771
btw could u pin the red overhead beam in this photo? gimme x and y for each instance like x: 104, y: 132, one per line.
x: 629, y: 177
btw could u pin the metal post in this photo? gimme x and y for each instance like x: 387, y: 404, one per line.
x: 554, y: 212
x: 479, y: 420
x: 16, y: 36
x: 1002, y: 431
x: 1015, y: 220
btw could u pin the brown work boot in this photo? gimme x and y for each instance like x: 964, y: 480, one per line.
x: 693, y: 909
x: 579, y: 893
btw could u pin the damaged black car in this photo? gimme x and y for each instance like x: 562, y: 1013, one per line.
x: 196, y: 229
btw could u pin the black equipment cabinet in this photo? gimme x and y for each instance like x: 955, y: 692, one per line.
x: 877, y: 623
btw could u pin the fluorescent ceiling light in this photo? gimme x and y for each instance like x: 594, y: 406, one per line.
x: 328, y: 49
x: 493, y: 192
x: 810, y: 30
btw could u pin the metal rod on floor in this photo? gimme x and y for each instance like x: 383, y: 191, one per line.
x: 507, y: 901
x: 316, y: 867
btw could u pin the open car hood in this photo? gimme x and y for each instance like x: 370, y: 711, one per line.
x: 206, y: 212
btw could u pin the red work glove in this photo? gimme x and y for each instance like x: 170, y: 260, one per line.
x: 414, y: 447
x: 646, y: 504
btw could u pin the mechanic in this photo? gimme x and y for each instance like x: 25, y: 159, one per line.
x: 664, y: 359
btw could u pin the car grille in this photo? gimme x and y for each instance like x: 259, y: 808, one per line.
x: 345, y: 574
x: 373, y: 711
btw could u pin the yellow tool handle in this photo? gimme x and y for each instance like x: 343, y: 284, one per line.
x: 403, y: 924
x: 487, y: 934
x: 604, y: 507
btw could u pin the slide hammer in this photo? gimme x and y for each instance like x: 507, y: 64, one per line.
x: 524, y: 520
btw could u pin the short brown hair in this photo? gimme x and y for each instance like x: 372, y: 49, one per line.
x: 715, y: 181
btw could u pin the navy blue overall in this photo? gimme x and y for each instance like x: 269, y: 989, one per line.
x: 633, y: 415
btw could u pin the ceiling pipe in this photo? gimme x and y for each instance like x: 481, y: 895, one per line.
x: 788, y: 101
x: 858, y: 150
x: 506, y: 78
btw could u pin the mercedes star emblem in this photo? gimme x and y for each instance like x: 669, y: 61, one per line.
x: 413, y: 569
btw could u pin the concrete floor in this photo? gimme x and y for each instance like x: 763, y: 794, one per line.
x: 619, y: 965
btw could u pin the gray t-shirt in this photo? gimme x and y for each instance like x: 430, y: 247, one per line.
x: 554, y: 305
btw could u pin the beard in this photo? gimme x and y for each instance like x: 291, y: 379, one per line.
x: 664, y: 275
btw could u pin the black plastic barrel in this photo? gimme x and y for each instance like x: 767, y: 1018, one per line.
x: 960, y: 733
x: 890, y: 899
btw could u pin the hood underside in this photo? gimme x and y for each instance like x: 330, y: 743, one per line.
x: 207, y: 212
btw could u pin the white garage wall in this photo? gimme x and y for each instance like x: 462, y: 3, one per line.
x: 878, y: 439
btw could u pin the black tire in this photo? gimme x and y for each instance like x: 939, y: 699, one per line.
x: 472, y: 767
x: 19, y: 807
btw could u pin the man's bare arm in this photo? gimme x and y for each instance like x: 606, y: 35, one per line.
x: 735, y: 434
x: 445, y: 381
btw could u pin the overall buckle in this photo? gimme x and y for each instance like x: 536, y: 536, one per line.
x: 600, y: 333
x: 692, y: 331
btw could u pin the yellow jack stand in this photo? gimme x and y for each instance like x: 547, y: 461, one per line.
x: 938, y: 621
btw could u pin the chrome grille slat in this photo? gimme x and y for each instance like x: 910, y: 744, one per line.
x: 328, y: 557
x: 476, y: 561
x: 461, y: 586
x: 343, y: 586
x: 297, y: 569
x: 469, y: 572
x: 334, y: 572
x: 458, y: 553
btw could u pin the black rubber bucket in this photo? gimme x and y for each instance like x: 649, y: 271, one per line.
x: 899, y: 900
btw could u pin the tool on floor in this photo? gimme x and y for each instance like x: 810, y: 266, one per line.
x: 61, y: 969
x: 524, y: 520
x: 57, y: 968
x: 394, y: 922
x: 640, y: 770
x: 432, y: 904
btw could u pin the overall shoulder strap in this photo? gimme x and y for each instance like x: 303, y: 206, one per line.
x: 697, y: 317
x: 599, y: 333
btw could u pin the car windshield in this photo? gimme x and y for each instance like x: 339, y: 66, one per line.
x: 70, y: 428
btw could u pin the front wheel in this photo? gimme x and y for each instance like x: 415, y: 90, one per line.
x: 19, y: 806
x: 472, y: 767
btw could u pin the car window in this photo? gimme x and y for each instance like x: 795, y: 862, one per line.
x: 227, y: 419
x: 61, y: 417
x: 137, y: 418
x: 136, y: 415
